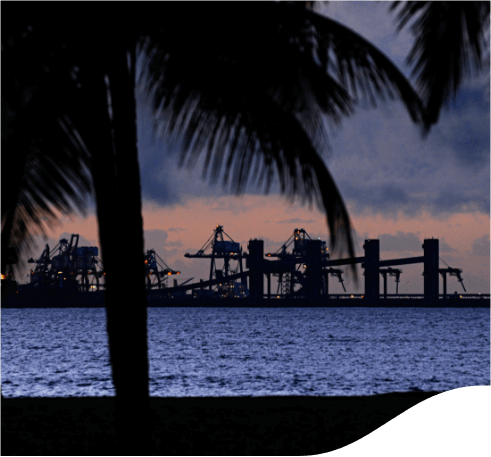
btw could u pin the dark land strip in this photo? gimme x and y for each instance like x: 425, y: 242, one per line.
x: 201, y: 426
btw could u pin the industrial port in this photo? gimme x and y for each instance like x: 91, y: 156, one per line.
x: 297, y: 274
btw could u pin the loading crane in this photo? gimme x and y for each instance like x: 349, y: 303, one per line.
x: 395, y: 272
x: 157, y: 271
x: 451, y: 272
x: 229, y: 251
x: 290, y: 270
x: 68, y: 265
x: 332, y: 272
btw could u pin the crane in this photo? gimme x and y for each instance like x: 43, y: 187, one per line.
x: 222, y: 246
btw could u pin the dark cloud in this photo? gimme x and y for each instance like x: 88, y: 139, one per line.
x: 481, y: 246
x: 463, y: 129
x: 380, y: 161
x: 386, y: 167
x: 177, y: 243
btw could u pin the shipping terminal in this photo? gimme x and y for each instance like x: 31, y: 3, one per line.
x: 296, y: 275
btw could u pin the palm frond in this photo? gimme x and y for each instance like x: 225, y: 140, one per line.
x: 254, y: 94
x: 449, y: 45
x: 44, y: 161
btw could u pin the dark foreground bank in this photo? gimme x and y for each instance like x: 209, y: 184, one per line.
x: 201, y: 426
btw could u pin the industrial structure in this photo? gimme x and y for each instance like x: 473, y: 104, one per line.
x: 318, y: 266
x: 68, y: 265
x: 79, y: 267
x: 290, y: 269
x: 157, y: 270
x: 219, y: 248
x: 301, y: 267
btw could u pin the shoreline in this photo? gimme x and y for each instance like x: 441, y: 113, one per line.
x: 274, y: 425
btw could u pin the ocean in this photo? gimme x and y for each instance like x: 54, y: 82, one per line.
x: 252, y: 351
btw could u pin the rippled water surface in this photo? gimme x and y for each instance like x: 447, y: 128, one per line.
x: 252, y: 351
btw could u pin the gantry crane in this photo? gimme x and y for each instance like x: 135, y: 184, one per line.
x: 68, y: 265
x: 229, y: 251
x: 157, y: 270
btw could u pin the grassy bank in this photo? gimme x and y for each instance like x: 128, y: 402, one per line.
x: 201, y: 426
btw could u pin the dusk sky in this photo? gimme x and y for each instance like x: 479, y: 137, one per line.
x: 398, y: 186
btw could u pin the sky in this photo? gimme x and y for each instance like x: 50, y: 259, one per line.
x: 398, y: 186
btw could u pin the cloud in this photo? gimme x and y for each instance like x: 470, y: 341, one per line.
x: 297, y: 220
x: 380, y: 161
x: 41, y: 242
x: 177, y: 243
x: 176, y: 229
x: 400, y: 242
x: 382, y: 165
x: 155, y: 239
x: 481, y: 246
x: 463, y: 130
x: 445, y: 247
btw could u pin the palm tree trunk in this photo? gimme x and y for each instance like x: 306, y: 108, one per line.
x: 118, y: 196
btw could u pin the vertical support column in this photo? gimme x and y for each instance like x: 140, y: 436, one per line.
x: 326, y: 282
x: 384, y: 275
x: 372, y: 259
x: 431, y: 264
x: 313, y: 249
x: 255, y: 265
x: 444, y: 285
x: 269, y: 285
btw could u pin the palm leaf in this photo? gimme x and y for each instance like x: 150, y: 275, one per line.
x: 44, y: 162
x: 449, y: 45
x: 256, y: 103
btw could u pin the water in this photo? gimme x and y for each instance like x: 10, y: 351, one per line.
x: 251, y: 351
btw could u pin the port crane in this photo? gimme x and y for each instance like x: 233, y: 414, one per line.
x: 221, y: 246
x: 157, y: 271
x: 68, y: 265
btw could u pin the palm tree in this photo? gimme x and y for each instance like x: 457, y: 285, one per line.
x: 253, y: 93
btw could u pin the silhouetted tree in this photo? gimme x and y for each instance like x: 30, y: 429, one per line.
x: 251, y: 86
